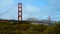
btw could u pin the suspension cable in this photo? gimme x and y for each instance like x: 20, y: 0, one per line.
x: 28, y: 12
x: 7, y: 11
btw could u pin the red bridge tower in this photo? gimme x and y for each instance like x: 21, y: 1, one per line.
x: 19, y: 11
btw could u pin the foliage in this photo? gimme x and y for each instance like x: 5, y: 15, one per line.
x: 28, y: 28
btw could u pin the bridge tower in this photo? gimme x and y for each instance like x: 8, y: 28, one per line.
x: 19, y: 11
x: 49, y: 19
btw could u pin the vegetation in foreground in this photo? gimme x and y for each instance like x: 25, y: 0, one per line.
x: 28, y: 28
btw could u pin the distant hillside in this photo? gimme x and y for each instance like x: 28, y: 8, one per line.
x: 31, y: 19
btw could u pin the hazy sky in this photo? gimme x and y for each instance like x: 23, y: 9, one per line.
x: 39, y: 9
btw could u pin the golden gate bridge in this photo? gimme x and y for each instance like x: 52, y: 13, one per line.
x: 20, y: 14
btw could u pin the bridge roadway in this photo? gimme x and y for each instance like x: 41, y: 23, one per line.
x: 20, y: 21
x: 25, y: 21
x: 17, y: 21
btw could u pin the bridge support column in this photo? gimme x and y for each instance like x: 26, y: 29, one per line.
x: 19, y: 11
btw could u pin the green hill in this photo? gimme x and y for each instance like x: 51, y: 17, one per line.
x: 28, y: 28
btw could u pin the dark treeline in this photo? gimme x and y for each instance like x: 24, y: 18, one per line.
x: 28, y: 28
